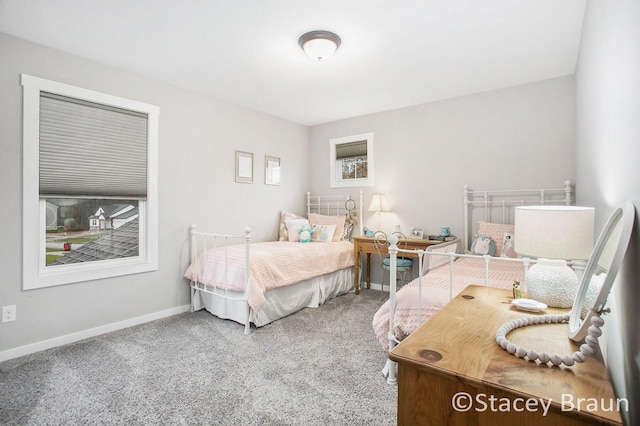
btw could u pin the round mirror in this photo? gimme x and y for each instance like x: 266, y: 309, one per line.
x: 601, y: 270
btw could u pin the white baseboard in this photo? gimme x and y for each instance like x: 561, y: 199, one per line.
x: 84, y: 334
x: 375, y: 286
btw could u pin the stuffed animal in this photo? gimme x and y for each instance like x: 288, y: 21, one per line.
x: 483, y: 245
x: 508, y: 250
x: 305, y: 233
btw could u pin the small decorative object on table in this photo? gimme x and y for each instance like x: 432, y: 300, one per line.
x: 445, y: 231
x: 516, y: 290
x: 417, y: 233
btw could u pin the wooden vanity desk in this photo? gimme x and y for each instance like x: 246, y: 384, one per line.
x: 367, y: 246
x: 454, y: 359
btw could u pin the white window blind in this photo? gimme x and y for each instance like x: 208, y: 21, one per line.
x: 91, y: 150
x: 351, y: 149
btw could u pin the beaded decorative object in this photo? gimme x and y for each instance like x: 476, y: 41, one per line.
x: 587, y: 348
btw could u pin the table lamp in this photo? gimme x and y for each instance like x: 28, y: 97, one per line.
x: 378, y: 205
x: 554, y: 234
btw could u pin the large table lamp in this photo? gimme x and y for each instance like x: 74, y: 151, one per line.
x: 553, y: 235
x: 378, y: 205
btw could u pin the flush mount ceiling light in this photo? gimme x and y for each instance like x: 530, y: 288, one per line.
x: 319, y: 44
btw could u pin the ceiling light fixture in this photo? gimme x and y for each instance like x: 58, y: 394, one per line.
x: 319, y: 44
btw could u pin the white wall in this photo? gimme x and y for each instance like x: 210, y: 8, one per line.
x: 197, y: 140
x: 519, y: 137
x: 607, y: 159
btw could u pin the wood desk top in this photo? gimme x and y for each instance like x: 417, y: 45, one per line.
x: 412, y: 243
x: 459, y: 343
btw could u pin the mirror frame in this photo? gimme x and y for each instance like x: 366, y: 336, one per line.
x: 625, y: 216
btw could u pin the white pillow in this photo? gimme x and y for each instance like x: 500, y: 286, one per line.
x: 293, y: 226
x: 283, y: 234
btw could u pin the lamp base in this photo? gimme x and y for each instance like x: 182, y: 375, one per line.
x: 552, y: 282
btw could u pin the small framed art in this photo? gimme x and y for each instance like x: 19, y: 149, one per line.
x: 271, y: 170
x: 417, y: 233
x: 244, y: 167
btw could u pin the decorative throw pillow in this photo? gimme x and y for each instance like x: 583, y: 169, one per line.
x: 494, y: 231
x: 483, y: 245
x: 319, y: 219
x: 323, y: 233
x: 348, y: 228
x: 508, y: 245
x: 293, y: 227
x: 283, y: 234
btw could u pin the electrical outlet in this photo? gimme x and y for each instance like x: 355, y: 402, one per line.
x: 9, y: 313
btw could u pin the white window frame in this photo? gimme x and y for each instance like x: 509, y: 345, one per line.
x: 334, y: 180
x: 35, y: 274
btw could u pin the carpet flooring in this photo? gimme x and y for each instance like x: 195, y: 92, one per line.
x: 316, y: 367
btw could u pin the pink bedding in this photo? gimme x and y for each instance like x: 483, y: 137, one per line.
x: 272, y: 264
x: 435, y: 293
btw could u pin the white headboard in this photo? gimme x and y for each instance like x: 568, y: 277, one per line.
x: 498, y: 205
x: 336, y: 205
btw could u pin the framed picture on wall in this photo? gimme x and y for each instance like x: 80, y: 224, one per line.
x: 271, y: 170
x: 244, y: 167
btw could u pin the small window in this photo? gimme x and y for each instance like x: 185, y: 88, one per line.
x: 351, y: 161
x: 90, y: 173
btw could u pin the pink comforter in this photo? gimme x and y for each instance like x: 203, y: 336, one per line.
x: 272, y: 264
x: 435, y: 293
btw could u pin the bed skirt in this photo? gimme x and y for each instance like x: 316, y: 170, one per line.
x: 282, y: 301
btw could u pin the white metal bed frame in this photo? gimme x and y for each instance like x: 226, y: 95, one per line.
x: 504, y: 201
x: 336, y: 205
x: 327, y: 205
x: 220, y: 240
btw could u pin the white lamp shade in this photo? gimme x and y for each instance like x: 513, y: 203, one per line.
x: 554, y: 232
x: 379, y: 203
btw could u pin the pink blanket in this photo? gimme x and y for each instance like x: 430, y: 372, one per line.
x: 272, y: 264
x: 435, y: 293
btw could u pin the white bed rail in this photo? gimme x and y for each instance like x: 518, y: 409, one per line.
x: 389, y: 369
x: 200, y: 242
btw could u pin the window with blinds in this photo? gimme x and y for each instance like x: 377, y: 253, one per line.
x: 88, y: 149
x: 352, y: 161
x: 90, y: 176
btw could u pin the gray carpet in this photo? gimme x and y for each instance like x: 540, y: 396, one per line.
x: 316, y: 367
